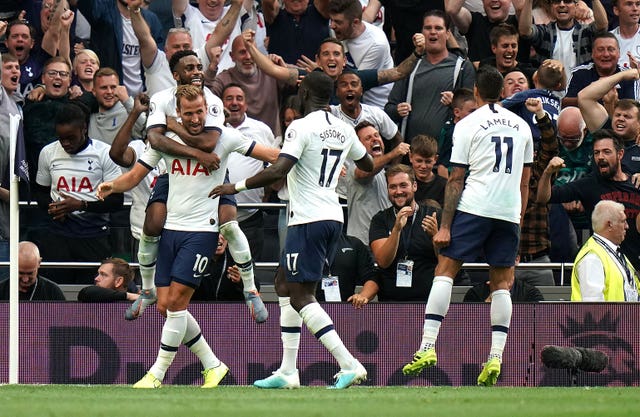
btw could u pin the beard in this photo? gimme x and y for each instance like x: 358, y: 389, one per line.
x: 609, y: 173
x: 407, y: 203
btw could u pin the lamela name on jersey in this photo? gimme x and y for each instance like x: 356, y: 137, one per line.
x: 501, y: 122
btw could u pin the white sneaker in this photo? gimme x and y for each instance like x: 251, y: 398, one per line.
x: 347, y: 377
x: 279, y: 381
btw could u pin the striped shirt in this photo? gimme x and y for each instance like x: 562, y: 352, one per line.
x: 544, y: 38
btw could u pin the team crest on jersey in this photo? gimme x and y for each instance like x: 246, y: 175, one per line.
x: 90, y: 162
x: 214, y: 110
x: 291, y: 135
x: 152, y: 108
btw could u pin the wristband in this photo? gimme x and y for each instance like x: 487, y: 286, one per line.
x: 417, y: 55
x: 241, y: 186
x: 85, y: 205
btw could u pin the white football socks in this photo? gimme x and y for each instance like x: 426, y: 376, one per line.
x: 500, y: 321
x: 241, y: 253
x: 172, y: 334
x: 320, y: 324
x: 437, y: 307
x: 290, y: 326
x: 195, y: 341
x: 147, y: 256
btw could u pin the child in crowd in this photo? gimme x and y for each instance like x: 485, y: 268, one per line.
x: 548, y: 78
x: 423, y: 155
x: 462, y: 104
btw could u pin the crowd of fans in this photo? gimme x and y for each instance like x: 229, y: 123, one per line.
x: 404, y: 73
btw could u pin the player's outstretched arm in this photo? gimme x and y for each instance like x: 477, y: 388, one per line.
x: 120, y: 152
x: 365, y: 163
x: 265, y: 153
x: 124, y: 182
x: 268, y: 176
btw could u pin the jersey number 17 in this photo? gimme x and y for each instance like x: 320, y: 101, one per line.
x: 326, y: 154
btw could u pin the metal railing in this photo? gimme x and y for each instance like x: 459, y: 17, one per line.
x: 562, y: 266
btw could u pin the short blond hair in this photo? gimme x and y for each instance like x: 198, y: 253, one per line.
x: 88, y: 52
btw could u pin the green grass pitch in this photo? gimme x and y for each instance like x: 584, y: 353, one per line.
x: 177, y: 401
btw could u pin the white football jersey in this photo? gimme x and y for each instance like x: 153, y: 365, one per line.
x: 319, y: 143
x: 163, y: 104
x: 77, y: 175
x: 495, y: 144
x: 242, y: 167
x: 189, y: 207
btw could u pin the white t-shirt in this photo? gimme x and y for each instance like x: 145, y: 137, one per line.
x: 131, y: 64
x: 320, y: 143
x: 163, y: 104
x: 201, y: 28
x: 627, y: 45
x: 563, y: 50
x: 242, y: 167
x: 189, y: 207
x: 375, y: 115
x: 371, y: 50
x: 495, y: 144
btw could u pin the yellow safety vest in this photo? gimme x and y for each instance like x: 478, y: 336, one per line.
x: 613, y: 277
